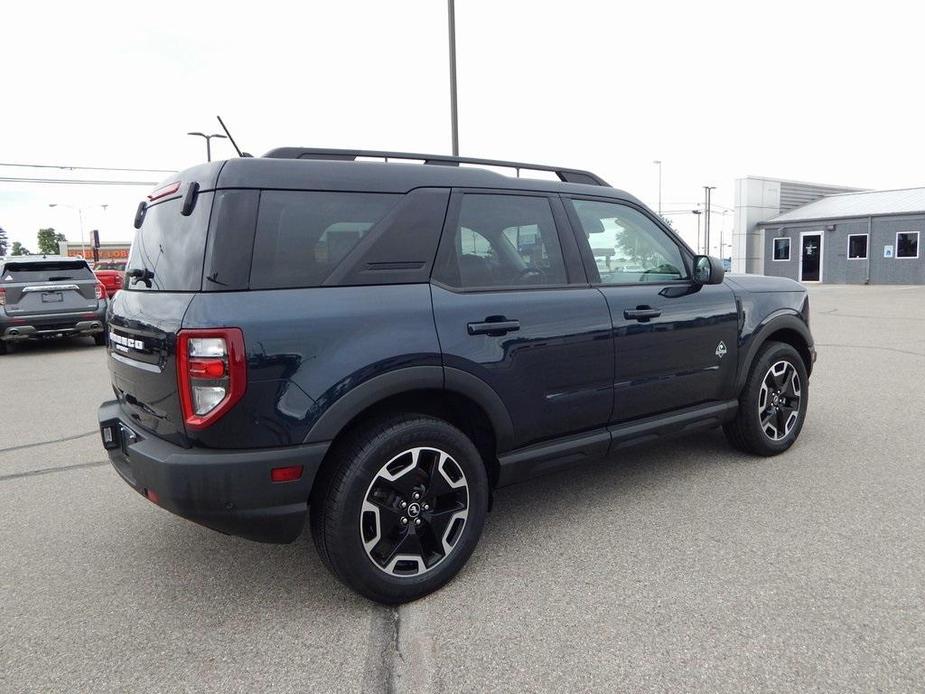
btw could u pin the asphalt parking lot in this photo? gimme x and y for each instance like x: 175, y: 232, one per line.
x: 683, y: 566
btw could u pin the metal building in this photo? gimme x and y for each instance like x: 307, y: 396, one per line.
x: 870, y: 237
x: 758, y: 199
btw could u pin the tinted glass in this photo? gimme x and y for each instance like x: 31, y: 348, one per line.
x: 502, y: 241
x: 106, y: 265
x: 857, y: 246
x: 54, y: 271
x: 907, y: 244
x: 170, y: 247
x: 628, y: 247
x: 781, y: 249
x: 302, y: 236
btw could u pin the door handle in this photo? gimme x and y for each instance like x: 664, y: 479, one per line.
x: 641, y: 313
x: 495, y: 328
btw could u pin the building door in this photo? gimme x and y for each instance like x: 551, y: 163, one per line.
x: 811, y: 257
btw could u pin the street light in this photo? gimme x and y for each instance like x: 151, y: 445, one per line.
x: 706, y: 219
x: 80, y: 216
x: 208, y: 139
x: 658, y: 163
x: 698, y: 213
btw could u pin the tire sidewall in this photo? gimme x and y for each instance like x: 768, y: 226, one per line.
x: 771, y: 355
x: 347, y: 553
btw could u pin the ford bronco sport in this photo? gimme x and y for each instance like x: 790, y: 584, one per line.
x: 379, y: 345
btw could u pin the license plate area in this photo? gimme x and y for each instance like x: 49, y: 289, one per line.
x: 52, y: 297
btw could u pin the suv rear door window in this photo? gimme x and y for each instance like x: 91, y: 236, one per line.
x: 302, y: 236
x: 170, y: 247
x: 52, y: 271
x: 502, y: 241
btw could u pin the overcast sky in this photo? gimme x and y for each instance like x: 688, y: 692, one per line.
x: 820, y: 91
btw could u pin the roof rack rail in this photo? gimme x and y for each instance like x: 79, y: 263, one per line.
x: 564, y: 174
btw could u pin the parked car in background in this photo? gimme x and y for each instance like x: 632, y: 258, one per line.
x: 49, y: 296
x: 378, y: 346
x: 111, y: 274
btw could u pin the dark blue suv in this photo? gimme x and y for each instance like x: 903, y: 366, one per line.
x: 379, y: 345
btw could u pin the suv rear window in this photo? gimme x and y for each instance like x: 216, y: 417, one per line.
x: 51, y: 271
x: 302, y: 236
x: 171, y: 247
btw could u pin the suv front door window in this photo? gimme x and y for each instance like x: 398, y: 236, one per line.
x: 667, y: 330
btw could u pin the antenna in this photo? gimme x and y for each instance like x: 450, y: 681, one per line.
x: 231, y: 139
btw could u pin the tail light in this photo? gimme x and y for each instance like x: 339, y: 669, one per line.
x: 100, y: 290
x: 2, y: 297
x: 211, y: 373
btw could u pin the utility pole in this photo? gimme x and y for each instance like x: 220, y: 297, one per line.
x: 658, y: 163
x: 454, y: 116
x: 706, y: 220
x: 698, y: 213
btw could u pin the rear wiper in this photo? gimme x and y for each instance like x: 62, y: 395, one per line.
x: 141, y: 274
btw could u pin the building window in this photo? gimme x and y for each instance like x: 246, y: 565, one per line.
x: 907, y: 244
x: 857, y: 246
x: 782, y: 248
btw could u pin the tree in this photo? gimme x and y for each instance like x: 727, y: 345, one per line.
x: 19, y: 249
x: 48, y: 241
x: 3, y: 241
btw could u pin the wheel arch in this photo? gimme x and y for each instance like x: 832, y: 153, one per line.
x: 453, y: 395
x: 788, y: 328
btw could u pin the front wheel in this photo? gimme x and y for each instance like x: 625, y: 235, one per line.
x: 773, y: 403
x: 401, y: 508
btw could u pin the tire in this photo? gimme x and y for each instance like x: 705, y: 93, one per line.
x: 764, y: 424
x: 356, y: 513
x: 3, y: 347
x: 99, y: 339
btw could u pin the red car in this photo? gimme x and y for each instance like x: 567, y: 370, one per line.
x: 110, y: 273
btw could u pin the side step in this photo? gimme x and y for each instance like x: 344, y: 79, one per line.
x: 550, y: 456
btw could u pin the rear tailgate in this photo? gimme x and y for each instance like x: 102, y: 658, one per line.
x: 142, y: 359
x: 163, y: 274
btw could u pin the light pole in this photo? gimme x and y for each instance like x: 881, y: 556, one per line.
x: 208, y: 139
x: 658, y: 163
x: 698, y: 213
x: 454, y: 116
x: 80, y: 217
x: 706, y: 218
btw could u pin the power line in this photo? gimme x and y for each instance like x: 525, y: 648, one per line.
x: 14, y: 179
x: 83, y: 168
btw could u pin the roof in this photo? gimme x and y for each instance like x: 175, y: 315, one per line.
x: 864, y: 204
x: 37, y: 258
x: 365, y: 176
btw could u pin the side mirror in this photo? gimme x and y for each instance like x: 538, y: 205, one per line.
x: 708, y: 270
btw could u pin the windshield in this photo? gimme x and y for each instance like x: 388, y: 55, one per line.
x: 51, y: 271
x: 119, y: 267
x: 168, y: 250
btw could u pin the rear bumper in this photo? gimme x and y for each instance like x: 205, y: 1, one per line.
x: 226, y: 490
x: 13, y: 328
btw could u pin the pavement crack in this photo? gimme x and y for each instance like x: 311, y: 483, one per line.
x: 382, y: 651
x: 47, y: 443
x: 49, y: 470
x: 881, y: 348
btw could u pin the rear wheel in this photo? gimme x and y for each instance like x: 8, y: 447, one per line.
x: 773, y: 403
x: 401, y: 508
x: 3, y: 348
x: 99, y: 339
